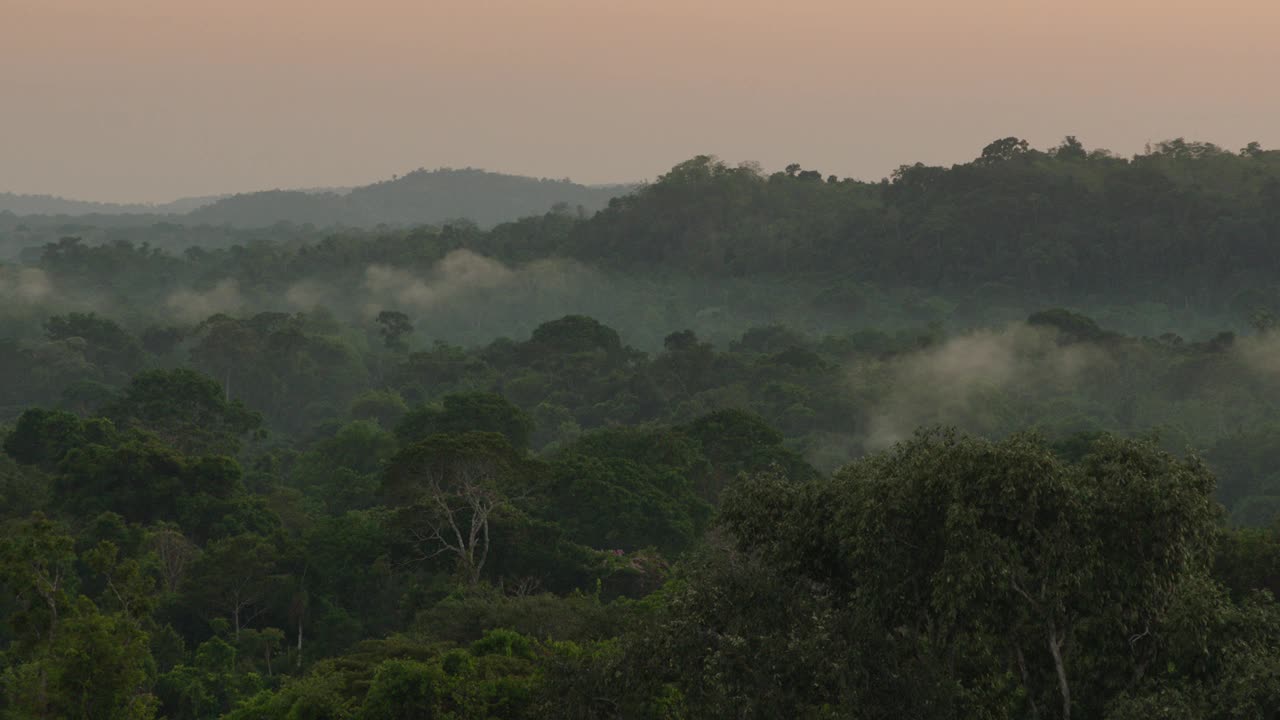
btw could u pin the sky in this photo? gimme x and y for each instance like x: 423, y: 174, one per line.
x: 150, y: 100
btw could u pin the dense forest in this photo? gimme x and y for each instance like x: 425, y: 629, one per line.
x: 998, y: 440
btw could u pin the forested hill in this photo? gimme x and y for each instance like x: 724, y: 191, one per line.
x: 664, y: 461
x: 1183, y: 218
x: 1184, y: 223
x: 420, y: 197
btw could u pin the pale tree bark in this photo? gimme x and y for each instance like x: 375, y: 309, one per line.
x: 48, y: 582
x: 458, y: 502
x: 298, y: 610
x: 1056, y: 641
x: 1055, y: 648
x: 175, y: 552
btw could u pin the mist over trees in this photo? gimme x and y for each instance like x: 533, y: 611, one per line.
x: 997, y: 440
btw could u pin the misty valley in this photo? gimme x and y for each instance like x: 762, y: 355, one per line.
x: 994, y: 440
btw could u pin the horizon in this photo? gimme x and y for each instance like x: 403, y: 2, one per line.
x: 341, y: 188
x: 138, y: 101
x: 313, y: 188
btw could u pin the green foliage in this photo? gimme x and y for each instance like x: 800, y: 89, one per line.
x: 94, y: 667
x: 317, y: 696
x: 466, y: 618
x: 407, y: 689
x: 233, y: 578
x: 503, y: 642
x: 107, y: 346
x: 467, y: 412
x: 1071, y: 327
x: 567, y: 526
x: 37, y: 559
x: 393, y: 326
x: 185, y: 409
x: 977, y: 579
x: 43, y: 437
x: 383, y: 406
x: 208, y: 687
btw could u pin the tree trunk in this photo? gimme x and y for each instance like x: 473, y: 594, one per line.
x: 299, y: 643
x: 53, y: 616
x: 1055, y: 648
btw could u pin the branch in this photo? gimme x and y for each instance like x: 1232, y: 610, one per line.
x: 1014, y: 582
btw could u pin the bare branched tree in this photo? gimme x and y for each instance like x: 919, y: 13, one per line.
x: 522, y: 587
x: 458, y: 500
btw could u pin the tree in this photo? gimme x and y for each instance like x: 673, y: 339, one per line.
x: 393, y: 326
x: 137, y: 476
x: 209, y: 686
x: 468, y: 412
x: 233, y: 578
x: 186, y: 409
x: 1003, y: 150
x: 44, y: 437
x: 735, y: 442
x: 386, y: 407
x: 991, y: 578
x: 403, y: 688
x: 174, y: 554
x: 223, y: 345
x: 318, y: 695
x: 1070, y: 149
x: 451, y: 486
x: 94, y: 669
x: 1071, y: 327
x: 629, y: 488
x: 129, y: 586
x: 576, y: 334
x: 266, y: 642
x: 37, y: 559
x: 111, y: 349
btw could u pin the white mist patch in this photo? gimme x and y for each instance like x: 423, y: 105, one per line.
x: 458, y: 272
x: 1260, y: 353
x: 456, y: 275
x: 973, y: 381
x: 192, y: 306
x: 24, y: 285
x: 307, y: 295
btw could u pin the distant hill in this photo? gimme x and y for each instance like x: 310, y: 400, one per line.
x: 53, y: 205
x: 260, y: 209
x: 420, y: 197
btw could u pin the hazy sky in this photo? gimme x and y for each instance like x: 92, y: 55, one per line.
x: 132, y: 100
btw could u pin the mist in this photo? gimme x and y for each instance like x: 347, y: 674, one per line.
x: 981, y: 382
x: 192, y: 306
x: 24, y: 285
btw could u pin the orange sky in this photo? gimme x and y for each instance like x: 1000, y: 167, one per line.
x: 150, y: 99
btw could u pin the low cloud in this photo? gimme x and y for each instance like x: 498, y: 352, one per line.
x: 1260, y: 353
x: 192, y: 306
x: 307, y: 295
x: 974, y: 382
x: 459, y: 274
x: 24, y: 285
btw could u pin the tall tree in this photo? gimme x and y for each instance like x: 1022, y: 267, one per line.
x: 450, y: 488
